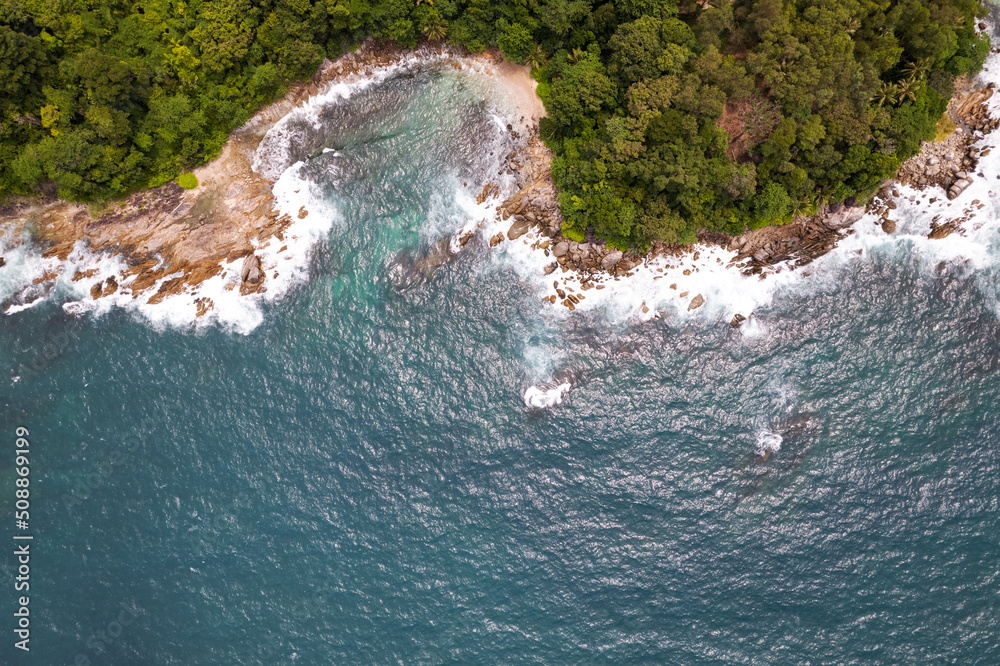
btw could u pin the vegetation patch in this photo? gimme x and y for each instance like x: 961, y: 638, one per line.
x: 944, y: 128
x: 665, y: 116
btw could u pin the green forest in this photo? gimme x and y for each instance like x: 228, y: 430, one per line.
x: 665, y: 116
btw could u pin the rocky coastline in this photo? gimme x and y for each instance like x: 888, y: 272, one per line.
x: 949, y: 164
x: 171, y: 240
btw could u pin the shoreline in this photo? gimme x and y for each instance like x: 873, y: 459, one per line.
x: 949, y: 164
x: 169, y: 242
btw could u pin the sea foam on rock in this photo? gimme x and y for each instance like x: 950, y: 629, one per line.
x: 728, y: 276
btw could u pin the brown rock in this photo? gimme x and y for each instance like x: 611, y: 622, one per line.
x: 110, y: 287
x: 97, y: 290
x: 888, y: 226
x: 250, y: 271
x: 611, y: 260
x: 942, y: 231
x: 738, y: 320
x: 696, y: 302
x: 519, y: 228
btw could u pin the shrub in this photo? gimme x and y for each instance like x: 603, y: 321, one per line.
x: 188, y: 180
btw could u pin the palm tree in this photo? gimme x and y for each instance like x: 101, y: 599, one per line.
x: 916, y: 69
x: 907, y: 90
x: 802, y: 207
x: 429, y: 2
x: 436, y: 28
x: 576, y: 56
x: 535, y: 57
x: 886, y: 94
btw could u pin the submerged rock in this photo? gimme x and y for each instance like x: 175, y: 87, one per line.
x: 402, y: 271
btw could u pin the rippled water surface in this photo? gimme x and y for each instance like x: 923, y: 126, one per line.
x: 358, y: 480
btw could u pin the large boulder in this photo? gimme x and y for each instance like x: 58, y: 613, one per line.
x: 561, y: 249
x: 520, y: 227
x: 611, y: 260
x: 250, y: 271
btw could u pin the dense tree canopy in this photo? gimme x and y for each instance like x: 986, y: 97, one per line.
x: 665, y: 116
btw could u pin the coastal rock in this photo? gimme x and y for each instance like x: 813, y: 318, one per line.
x: 250, y: 270
x: 561, y: 249
x: 3, y: 262
x: 737, y: 320
x: 942, y: 231
x: 888, y: 226
x: 520, y: 227
x: 761, y: 255
x: 110, y: 286
x: 611, y: 260
x: 696, y: 302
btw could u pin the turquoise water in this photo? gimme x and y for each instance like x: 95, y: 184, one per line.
x: 358, y: 479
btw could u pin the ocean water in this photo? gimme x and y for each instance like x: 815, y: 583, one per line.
x: 409, y: 460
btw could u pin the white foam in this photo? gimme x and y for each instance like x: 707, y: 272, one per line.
x: 273, y: 155
x: 14, y: 309
x: 768, y: 442
x: 540, y: 397
x: 657, y: 288
x: 284, y: 261
x: 649, y: 291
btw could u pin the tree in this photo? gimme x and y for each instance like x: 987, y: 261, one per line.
x: 772, y: 204
x: 886, y: 94
x: 514, y: 40
x: 535, y: 57
x: 435, y: 28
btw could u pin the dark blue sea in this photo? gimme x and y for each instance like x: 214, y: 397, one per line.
x: 356, y: 475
